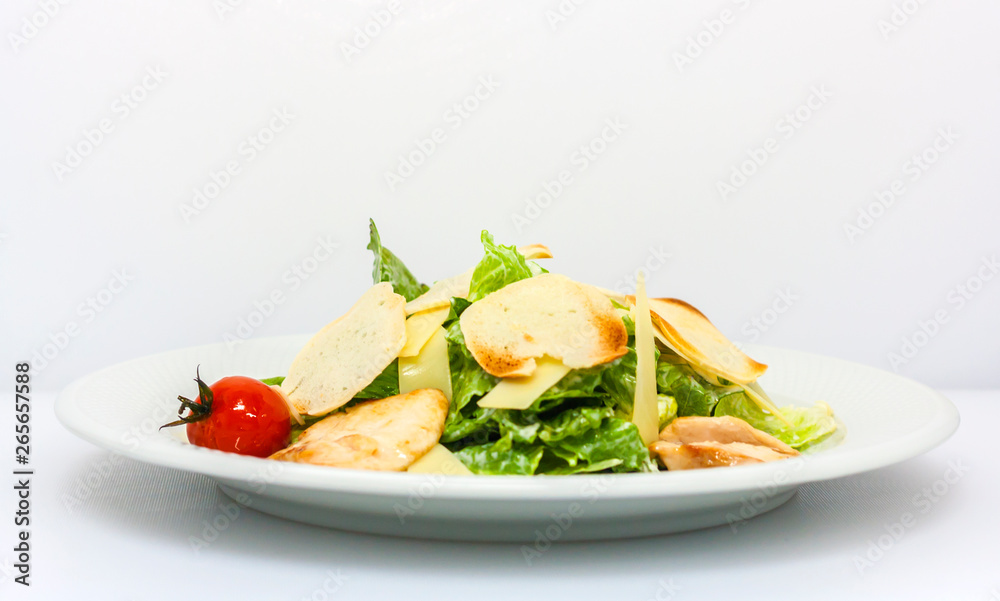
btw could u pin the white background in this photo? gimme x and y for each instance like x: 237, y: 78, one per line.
x: 655, y: 186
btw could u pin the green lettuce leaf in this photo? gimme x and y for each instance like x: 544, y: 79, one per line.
x: 693, y: 395
x: 577, y: 384
x: 668, y: 409
x: 579, y: 441
x: 458, y: 306
x: 275, y: 381
x: 519, y: 426
x: 527, y: 427
x: 503, y: 457
x: 388, y: 268
x: 468, y: 381
x: 386, y: 384
x: 618, y: 381
x: 573, y: 422
x: 615, y: 439
x: 561, y: 468
x: 810, y: 425
x: 501, y: 265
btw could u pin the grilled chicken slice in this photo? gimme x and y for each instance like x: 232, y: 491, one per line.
x: 697, y: 455
x: 723, y: 429
x: 385, y: 434
x: 699, y: 442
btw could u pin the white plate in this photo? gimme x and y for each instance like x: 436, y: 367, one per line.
x: 888, y: 419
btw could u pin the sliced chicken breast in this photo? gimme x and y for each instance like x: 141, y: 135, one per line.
x: 385, y: 434
x: 700, y: 442
x: 723, y: 429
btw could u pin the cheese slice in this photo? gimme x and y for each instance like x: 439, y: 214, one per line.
x: 757, y: 395
x: 429, y: 369
x: 645, y: 408
x: 520, y: 393
x: 291, y: 406
x: 419, y: 329
x: 439, y: 460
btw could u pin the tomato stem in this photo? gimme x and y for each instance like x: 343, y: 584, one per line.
x: 198, y: 410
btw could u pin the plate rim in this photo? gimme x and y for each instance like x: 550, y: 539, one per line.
x: 790, y: 472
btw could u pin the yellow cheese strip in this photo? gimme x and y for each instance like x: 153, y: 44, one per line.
x: 429, y: 369
x: 439, y: 460
x: 291, y: 407
x: 419, y: 329
x: 520, y: 393
x: 645, y: 409
x: 757, y: 395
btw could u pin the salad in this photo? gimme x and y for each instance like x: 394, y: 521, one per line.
x: 508, y: 369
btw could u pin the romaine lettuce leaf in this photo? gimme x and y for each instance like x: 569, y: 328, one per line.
x: 528, y: 428
x: 573, y: 422
x: 458, y: 306
x: 577, y: 384
x: 501, y: 265
x: 583, y: 441
x: 468, y: 381
x: 618, y: 381
x: 388, y: 268
x: 668, y: 409
x: 615, y: 439
x: 810, y: 425
x: 693, y: 395
x: 474, y: 425
x: 386, y: 384
x: 503, y: 457
x: 520, y: 426
x: 558, y: 467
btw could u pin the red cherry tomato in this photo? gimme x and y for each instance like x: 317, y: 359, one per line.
x: 242, y: 415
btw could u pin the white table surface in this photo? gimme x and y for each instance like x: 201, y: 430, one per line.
x: 130, y: 539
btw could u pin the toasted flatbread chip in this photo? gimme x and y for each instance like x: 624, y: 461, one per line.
x: 441, y: 293
x: 348, y: 354
x: 547, y: 314
x: 691, y: 335
x: 686, y: 331
x: 386, y: 434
